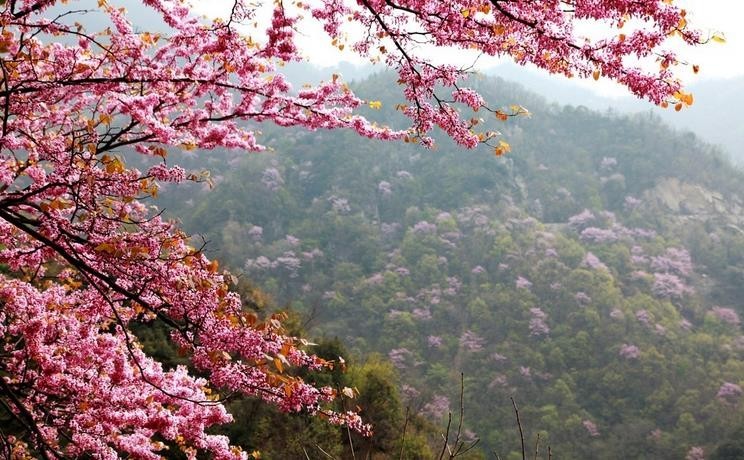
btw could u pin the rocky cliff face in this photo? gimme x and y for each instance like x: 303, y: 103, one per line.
x: 695, y: 202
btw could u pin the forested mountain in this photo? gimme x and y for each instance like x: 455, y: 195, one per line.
x: 715, y: 114
x: 595, y: 273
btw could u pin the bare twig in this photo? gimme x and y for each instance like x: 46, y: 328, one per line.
x: 324, y: 452
x: 446, y: 436
x: 519, y: 425
x: 462, y: 413
x: 403, y: 436
x: 351, y: 443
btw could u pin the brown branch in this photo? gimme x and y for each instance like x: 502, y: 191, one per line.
x: 521, y: 433
x: 29, y: 422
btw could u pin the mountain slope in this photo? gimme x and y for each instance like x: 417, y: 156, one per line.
x: 594, y: 274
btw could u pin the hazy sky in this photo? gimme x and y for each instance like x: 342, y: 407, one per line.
x: 718, y: 15
x: 716, y: 60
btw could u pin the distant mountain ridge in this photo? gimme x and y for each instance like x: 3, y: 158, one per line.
x: 716, y: 114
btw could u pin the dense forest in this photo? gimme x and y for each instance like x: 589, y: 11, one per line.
x: 594, y: 273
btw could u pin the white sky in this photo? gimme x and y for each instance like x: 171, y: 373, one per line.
x: 715, y: 60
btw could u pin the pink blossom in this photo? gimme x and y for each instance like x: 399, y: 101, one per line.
x: 669, y: 286
x: 255, y: 232
x: 655, y: 434
x: 400, y: 357
x: 471, y: 341
x: 375, y: 279
x: 409, y: 393
x: 272, y: 179
x: 538, y: 327
x: 674, y: 260
x: 438, y: 407
x: 499, y: 381
x: 695, y: 453
x: 385, y: 188
x: 421, y: 313
x: 729, y: 393
x: 593, y: 262
x: 443, y: 216
x: 292, y: 241
x: 389, y: 229
x: 339, y: 205
x: 523, y: 283
x: 424, y: 228
x: 608, y: 163
x: 643, y: 316
x: 631, y: 203
x: 598, y: 235
x: 591, y: 428
x: 629, y: 351
x: 581, y: 220
x: 582, y: 298
x: 727, y: 315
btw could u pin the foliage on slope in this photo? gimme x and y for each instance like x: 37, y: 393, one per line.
x: 551, y: 275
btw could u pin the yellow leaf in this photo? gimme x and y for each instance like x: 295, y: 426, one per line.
x: 159, y: 151
x: 502, y: 148
x: 213, y: 266
x: 596, y: 74
x: 115, y: 166
x: 718, y: 38
x: 279, y: 365
x: 108, y: 248
x: 377, y: 105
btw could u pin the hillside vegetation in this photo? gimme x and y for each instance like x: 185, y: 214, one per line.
x: 595, y: 273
